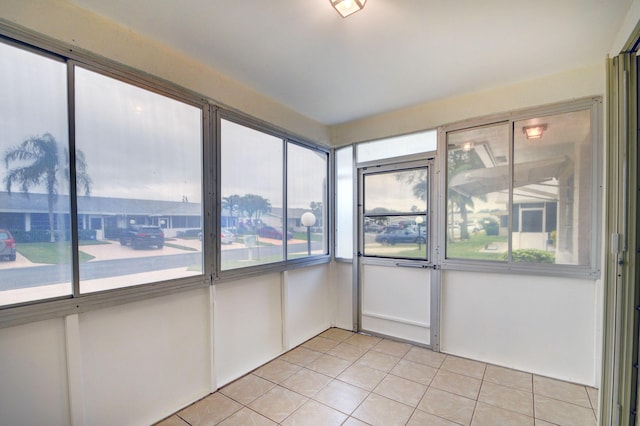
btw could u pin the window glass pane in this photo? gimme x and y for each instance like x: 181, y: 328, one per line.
x: 395, y: 214
x: 344, y: 202
x: 306, y: 201
x: 553, y: 179
x: 478, y: 193
x: 35, y: 252
x: 252, y: 187
x: 398, y: 146
x: 140, y: 206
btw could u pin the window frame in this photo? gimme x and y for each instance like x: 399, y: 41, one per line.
x: 590, y: 271
x: 223, y: 276
x: 77, y: 302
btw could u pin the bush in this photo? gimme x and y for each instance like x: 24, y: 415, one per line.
x: 531, y: 256
x: 491, y: 226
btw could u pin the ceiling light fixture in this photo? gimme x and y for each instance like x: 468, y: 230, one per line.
x: 534, y: 132
x: 347, y: 7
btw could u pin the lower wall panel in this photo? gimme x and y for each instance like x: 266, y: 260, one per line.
x: 33, y: 375
x: 307, y: 303
x: 143, y: 361
x: 247, y: 325
x: 543, y: 325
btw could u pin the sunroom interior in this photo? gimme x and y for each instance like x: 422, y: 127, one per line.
x: 518, y: 250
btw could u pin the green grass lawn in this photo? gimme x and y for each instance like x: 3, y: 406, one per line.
x: 53, y: 253
x: 473, y: 247
x: 178, y: 246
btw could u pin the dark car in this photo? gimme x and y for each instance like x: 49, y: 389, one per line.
x: 140, y: 236
x: 399, y: 236
x: 7, y: 245
x: 271, y: 232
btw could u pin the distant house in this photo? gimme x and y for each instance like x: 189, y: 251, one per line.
x: 104, y: 215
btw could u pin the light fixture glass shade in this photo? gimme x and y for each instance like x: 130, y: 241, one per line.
x: 534, y: 132
x: 347, y: 7
x: 308, y: 219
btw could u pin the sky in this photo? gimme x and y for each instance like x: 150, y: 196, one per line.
x: 139, y: 144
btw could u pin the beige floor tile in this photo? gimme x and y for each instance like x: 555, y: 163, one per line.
x: 414, y: 371
x: 390, y: 347
x: 347, y: 351
x: 378, y: 410
x: 420, y: 418
x: 425, y: 356
x: 510, y: 378
x: 247, y: 417
x: 567, y: 392
x: 277, y: 370
x: 247, y: 388
x: 278, y: 403
x: 401, y: 390
x: 378, y: 360
x: 507, y: 398
x: 329, y: 365
x: 464, y: 366
x: 320, y: 344
x: 364, y: 377
x: 488, y: 415
x: 301, y: 356
x: 210, y: 410
x: 451, y: 407
x: 562, y: 413
x: 306, y: 382
x: 363, y: 341
x: 337, y: 334
x: 172, y: 421
x: 341, y: 396
x: 594, y: 398
x: 313, y: 414
x: 457, y: 383
x: 352, y: 421
x: 543, y: 423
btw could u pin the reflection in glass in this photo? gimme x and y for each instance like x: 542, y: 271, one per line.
x: 344, y: 202
x: 395, y: 214
x: 252, y: 206
x: 478, y: 193
x: 35, y: 252
x: 552, y: 189
x: 306, y: 193
x: 143, y: 153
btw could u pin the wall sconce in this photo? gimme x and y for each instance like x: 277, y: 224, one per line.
x: 347, y: 7
x: 534, y: 132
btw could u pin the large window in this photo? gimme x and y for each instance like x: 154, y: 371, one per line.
x: 35, y: 254
x: 138, y: 168
x: 117, y: 204
x: 264, y: 220
x: 344, y: 202
x: 524, y: 191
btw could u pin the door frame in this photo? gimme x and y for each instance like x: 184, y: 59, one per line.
x: 433, y: 239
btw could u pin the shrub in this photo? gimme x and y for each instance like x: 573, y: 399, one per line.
x: 490, y: 226
x: 532, y: 256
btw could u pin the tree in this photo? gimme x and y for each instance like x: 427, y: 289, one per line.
x: 252, y: 204
x: 317, y: 210
x: 39, y: 164
x: 232, y: 204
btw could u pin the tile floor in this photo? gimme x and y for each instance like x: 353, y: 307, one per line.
x: 343, y: 378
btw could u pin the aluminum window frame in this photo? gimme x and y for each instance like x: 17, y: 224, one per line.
x: 590, y: 271
x: 58, y: 307
x: 223, y: 276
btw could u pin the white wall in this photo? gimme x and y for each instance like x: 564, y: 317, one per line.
x: 33, y: 375
x: 543, y: 325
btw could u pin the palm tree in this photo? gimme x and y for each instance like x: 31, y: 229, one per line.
x: 252, y: 204
x: 44, y: 164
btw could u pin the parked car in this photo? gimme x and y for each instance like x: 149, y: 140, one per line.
x: 400, y: 236
x: 372, y: 227
x: 227, y: 236
x: 271, y: 232
x: 140, y: 236
x: 7, y: 245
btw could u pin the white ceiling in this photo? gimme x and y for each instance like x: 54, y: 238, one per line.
x: 392, y: 54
